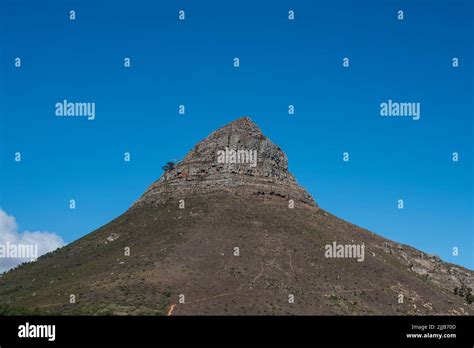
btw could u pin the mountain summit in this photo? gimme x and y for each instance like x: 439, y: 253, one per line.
x: 229, y: 231
x: 250, y: 165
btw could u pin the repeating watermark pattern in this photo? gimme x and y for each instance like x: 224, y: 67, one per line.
x: 75, y: 109
x: 20, y: 251
x: 16, y: 247
x: 400, y: 109
x: 241, y: 156
x: 345, y: 251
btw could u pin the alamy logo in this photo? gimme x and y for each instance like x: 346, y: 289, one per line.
x: 348, y: 251
x: 37, y: 331
x: 66, y: 108
x: 237, y: 156
x: 21, y: 251
x: 391, y: 108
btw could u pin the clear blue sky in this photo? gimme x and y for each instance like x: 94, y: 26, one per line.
x: 282, y: 63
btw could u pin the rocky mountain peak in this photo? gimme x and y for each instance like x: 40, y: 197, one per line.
x: 244, y: 122
x: 237, y: 156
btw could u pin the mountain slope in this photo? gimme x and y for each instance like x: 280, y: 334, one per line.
x: 190, y: 251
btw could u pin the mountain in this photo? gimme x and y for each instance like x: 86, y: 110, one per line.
x: 228, y: 230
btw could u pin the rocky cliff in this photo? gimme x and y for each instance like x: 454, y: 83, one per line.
x: 253, y: 166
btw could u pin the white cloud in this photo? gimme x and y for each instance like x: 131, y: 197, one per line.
x: 10, y: 236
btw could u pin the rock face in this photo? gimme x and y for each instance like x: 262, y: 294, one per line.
x: 259, y: 167
x: 450, y: 277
